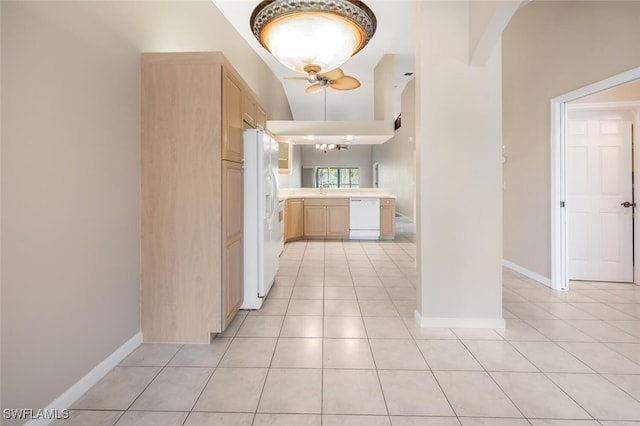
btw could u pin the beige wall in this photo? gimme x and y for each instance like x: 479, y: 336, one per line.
x: 624, y: 93
x: 551, y: 48
x: 70, y: 176
x: 1, y: 377
x: 397, y: 157
x: 459, y: 197
x: 70, y: 196
x: 184, y: 25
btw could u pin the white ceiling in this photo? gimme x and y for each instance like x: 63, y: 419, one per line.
x: 395, y: 34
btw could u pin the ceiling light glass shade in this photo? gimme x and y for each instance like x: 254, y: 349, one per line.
x: 313, y: 35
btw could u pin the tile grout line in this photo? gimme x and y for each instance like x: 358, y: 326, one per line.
x: 546, y: 375
x: 593, y: 372
x: 488, y: 373
x: 324, y: 307
x: 162, y: 368
x: 375, y: 364
x: 390, y: 253
x: 275, y: 348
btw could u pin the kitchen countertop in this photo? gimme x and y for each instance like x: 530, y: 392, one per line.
x: 285, y: 193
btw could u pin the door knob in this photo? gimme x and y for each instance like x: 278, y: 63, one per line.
x: 627, y: 204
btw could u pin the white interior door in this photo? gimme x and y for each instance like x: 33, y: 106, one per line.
x: 599, y: 181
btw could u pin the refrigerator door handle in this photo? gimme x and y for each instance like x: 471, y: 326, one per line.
x: 271, y: 198
x: 271, y: 201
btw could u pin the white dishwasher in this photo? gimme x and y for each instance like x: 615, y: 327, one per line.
x: 364, y: 218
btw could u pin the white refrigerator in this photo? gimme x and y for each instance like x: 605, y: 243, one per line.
x: 262, y: 232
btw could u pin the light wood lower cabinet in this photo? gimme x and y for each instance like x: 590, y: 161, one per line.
x: 315, y: 221
x: 326, y: 218
x: 329, y: 218
x: 338, y: 221
x: 293, y: 219
x: 387, y: 218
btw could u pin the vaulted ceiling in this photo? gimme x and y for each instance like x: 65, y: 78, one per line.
x: 395, y: 35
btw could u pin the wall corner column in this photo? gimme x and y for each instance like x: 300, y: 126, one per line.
x: 459, y: 173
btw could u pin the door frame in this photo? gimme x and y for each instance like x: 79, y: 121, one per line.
x: 559, y: 107
x: 375, y: 169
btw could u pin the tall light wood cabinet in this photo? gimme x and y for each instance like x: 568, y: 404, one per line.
x: 192, y: 195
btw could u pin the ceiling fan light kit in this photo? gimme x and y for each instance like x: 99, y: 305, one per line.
x: 334, y: 79
x: 313, y: 36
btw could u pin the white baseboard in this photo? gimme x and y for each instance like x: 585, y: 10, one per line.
x: 72, y: 394
x: 527, y: 273
x: 434, y: 322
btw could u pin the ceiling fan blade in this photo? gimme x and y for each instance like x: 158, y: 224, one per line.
x: 345, y: 83
x: 314, y: 88
x: 333, y: 74
x: 297, y: 78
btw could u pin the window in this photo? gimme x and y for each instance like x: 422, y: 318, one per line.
x: 337, y: 177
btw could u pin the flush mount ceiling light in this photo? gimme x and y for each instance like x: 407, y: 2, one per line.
x: 313, y: 36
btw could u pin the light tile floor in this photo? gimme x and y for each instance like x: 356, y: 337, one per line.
x: 335, y: 345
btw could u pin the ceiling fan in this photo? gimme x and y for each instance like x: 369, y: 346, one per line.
x: 334, y: 79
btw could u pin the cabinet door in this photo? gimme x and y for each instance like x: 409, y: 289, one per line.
x: 231, y: 118
x: 286, y: 222
x: 248, y: 108
x: 338, y: 221
x: 387, y: 218
x: 315, y: 221
x: 294, y: 219
x: 232, y: 234
x: 284, y: 158
x: 261, y: 118
x: 181, y: 292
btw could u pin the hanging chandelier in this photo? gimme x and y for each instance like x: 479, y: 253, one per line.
x: 331, y: 146
x: 313, y: 36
